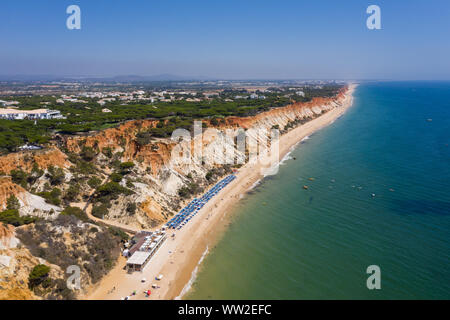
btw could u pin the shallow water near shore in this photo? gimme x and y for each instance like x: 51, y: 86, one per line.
x: 380, y: 195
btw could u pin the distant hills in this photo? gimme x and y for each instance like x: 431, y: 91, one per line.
x: 159, y: 77
x: 119, y: 78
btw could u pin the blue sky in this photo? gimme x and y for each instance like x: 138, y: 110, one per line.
x: 227, y: 39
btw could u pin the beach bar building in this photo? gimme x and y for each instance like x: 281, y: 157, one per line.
x: 145, y: 247
x: 138, y: 261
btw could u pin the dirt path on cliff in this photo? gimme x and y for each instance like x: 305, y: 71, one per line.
x: 87, y: 208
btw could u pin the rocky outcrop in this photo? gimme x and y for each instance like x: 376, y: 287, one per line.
x: 16, y: 263
x: 8, y: 189
x: 281, y: 116
x: 30, y: 204
x: 26, y: 159
x: 7, y: 237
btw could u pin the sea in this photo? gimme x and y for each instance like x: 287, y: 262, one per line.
x: 378, y: 195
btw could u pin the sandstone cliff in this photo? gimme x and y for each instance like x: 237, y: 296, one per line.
x: 157, y: 176
x: 16, y: 263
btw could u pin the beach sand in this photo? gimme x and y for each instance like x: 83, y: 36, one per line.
x: 178, y: 258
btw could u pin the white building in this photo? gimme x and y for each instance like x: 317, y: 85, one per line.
x: 9, y: 103
x: 144, y: 249
x: 37, y: 114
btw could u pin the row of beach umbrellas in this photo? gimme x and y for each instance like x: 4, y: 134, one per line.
x: 188, y: 212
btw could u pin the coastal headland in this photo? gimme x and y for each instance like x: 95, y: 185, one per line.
x: 179, y: 257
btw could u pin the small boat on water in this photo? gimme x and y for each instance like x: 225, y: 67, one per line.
x: 305, y: 187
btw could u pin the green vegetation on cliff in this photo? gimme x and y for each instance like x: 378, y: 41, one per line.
x: 84, y: 117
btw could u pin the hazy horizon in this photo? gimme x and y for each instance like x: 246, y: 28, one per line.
x: 177, y: 77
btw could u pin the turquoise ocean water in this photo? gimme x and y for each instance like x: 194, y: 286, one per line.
x: 285, y: 242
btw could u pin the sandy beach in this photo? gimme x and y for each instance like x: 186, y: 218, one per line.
x: 178, y: 258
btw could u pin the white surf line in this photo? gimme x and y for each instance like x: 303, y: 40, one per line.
x: 188, y: 285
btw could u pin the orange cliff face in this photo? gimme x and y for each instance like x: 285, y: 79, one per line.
x: 8, y: 189
x: 112, y: 138
x: 153, y: 155
x: 161, y: 177
x: 6, y: 235
x: 16, y: 263
x: 123, y: 138
x: 14, y: 267
x: 296, y: 109
x: 25, y: 160
x: 157, y: 153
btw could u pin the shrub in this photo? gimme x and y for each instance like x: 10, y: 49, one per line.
x: 119, y: 233
x: 55, y: 175
x: 72, y: 192
x: 112, y: 190
x: 143, y: 138
x: 131, y: 208
x: 116, y: 177
x: 214, y: 122
x: 87, y: 153
x: 94, y: 182
x: 130, y: 184
x: 191, y: 188
x: 209, y: 175
x: 38, y: 275
x: 12, y: 203
x: 93, y: 230
x: 100, y: 211
x: 12, y: 217
x: 125, y: 167
x: 183, y: 192
x: 52, y: 197
x: 85, y: 167
x: 76, y: 212
x: 19, y: 177
x: 107, y: 152
x: 61, y: 291
x: 35, y: 174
